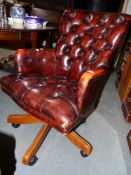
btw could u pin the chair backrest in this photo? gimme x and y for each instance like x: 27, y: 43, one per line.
x: 88, y: 40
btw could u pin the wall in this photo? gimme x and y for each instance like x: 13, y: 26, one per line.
x: 129, y: 7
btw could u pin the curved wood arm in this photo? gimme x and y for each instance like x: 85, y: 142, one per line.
x: 83, y: 84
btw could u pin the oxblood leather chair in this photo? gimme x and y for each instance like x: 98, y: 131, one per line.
x: 61, y: 87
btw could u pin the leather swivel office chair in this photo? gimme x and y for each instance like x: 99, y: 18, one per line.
x: 62, y: 86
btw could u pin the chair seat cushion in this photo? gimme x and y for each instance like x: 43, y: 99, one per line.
x: 52, y: 99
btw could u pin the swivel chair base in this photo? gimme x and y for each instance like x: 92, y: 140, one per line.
x: 29, y: 158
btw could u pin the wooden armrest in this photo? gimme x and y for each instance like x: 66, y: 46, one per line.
x: 83, y: 84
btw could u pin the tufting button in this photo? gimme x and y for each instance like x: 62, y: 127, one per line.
x: 103, y: 19
x: 74, y: 88
x: 63, y: 49
x: 44, y: 83
x: 72, y: 39
x: 73, y: 28
x: 66, y: 49
x: 111, y: 26
x: 119, y: 20
x: 103, y: 30
x: 88, y: 18
x: 40, y: 84
x: 70, y: 62
x: 77, y: 39
x: 59, y: 85
x: 83, y: 66
x: 44, y: 60
x: 79, y: 52
x: 55, y: 94
x: 47, y: 77
x: 92, y: 56
x: 100, y: 36
x: 63, y: 38
x: 76, y: 51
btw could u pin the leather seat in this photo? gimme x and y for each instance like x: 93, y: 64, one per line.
x: 45, y: 97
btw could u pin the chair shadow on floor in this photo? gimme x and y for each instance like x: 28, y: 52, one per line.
x: 7, y: 154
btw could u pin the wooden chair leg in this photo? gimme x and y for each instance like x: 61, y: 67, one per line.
x: 79, y: 142
x: 29, y: 157
x: 22, y: 119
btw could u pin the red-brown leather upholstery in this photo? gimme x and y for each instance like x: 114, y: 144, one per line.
x: 62, y: 86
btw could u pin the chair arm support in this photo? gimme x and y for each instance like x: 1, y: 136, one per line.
x: 85, y: 78
x: 33, y: 60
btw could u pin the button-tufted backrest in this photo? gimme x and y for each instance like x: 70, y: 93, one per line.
x: 88, y: 40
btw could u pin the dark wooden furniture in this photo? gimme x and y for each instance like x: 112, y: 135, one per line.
x: 129, y: 140
x: 124, y: 83
x: 62, y: 87
x: 126, y: 106
x: 28, y: 36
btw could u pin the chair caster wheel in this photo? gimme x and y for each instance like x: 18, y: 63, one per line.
x: 83, y: 154
x: 33, y: 161
x: 15, y: 125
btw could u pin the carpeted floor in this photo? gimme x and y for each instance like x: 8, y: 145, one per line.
x: 5, y: 52
x: 105, y: 129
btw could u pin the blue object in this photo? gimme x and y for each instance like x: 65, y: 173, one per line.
x: 17, y: 11
x: 33, y: 22
x: 33, y: 19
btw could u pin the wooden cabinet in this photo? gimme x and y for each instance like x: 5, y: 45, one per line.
x: 124, y: 83
x: 126, y: 107
x: 125, y: 74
